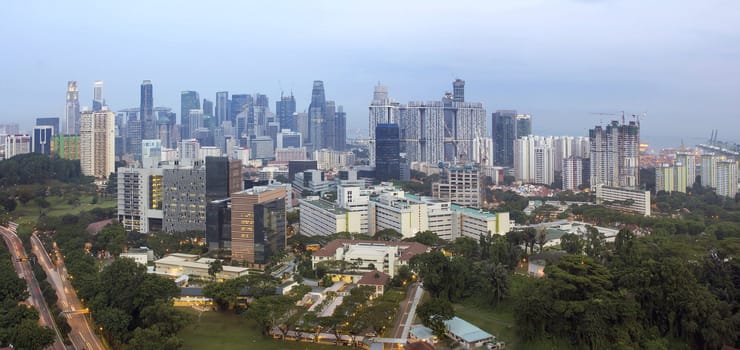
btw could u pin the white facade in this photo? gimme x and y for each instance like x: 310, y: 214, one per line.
x: 208, y: 151
x: 16, y: 144
x: 572, y: 172
x: 727, y: 178
x: 636, y: 201
x: 327, y: 159
x: 472, y: 223
x: 189, y: 151
x: 97, y: 143
x: 321, y: 218
x: 459, y: 185
x: 139, y: 197
x: 383, y: 256
x: 483, y: 151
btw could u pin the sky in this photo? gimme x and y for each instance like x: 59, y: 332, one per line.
x: 559, y: 60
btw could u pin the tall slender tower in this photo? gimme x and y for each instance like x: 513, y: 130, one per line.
x: 98, y: 101
x: 146, y: 112
x: 284, y: 110
x: 503, y: 124
x: 458, y: 90
x: 316, y: 111
x: 188, y: 100
x: 72, y: 111
x: 382, y: 111
x: 222, y: 107
x: 97, y: 143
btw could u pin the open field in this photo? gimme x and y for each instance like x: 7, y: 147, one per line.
x: 59, y: 206
x: 226, y: 331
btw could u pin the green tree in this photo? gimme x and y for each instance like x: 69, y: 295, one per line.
x: 595, y: 246
x: 387, y: 234
x: 497, y: 277
x: 270, y: 312
x: 426, y: 237
x: 434, y: 312
x: 571, y: 243
x: 153, y: 339
x: 29, y: 335
x: 215, y: 267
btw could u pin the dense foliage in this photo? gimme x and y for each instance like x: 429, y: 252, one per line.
x: 37, y: 168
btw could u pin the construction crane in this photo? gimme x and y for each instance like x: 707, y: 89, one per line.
x: 608, y: 113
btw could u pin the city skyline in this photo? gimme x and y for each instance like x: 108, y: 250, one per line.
x: 566, y: 60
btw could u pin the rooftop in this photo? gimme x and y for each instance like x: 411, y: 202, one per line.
x: 188, y: 260
x: 407, y: 249
x: 465, y: 330
x: 472, y: 212
x: 326, y: 205
x: 374, y: 278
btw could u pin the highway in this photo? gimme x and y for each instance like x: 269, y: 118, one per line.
x: 24, y: 270
x: 82, y: 335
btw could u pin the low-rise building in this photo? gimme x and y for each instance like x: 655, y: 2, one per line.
x: 141, y: 256
x: 467, y: 334
x: 636, y: 201
x: 320, y: 217
x: 178, y: 264
x: 473, y: 223
x: 365, y: 255
x: 376, y: 280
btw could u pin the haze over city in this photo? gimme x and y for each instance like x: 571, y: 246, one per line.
x: 559, y: 61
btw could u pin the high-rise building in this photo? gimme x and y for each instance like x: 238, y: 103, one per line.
x: 534, y: 159
x: 686, y: 164
x: 207, y: 107
x: 483, y: 151
x: 257, y: 224
x: 287, y: 138
x: 188, y: 100
x: 665, y: 178
x: 382, y: 111
x: 51, y: 121
x: 727, y: 178
x: 223, y: 177
x: 16, y: 144
x: 523, y: 125
x: 97, y: 143
x: 133, y: 133
x: 503, y: 123
x: 149, y: 123
x: 572, y: 173
x: 223, y: 104
x: 184, y: 207
x: 316, y: 111
x: 301, y: 121
x: 709, y: 170
x: 340, y: 129
x: 42, y: 136
x: 66, y: 146
x: 195, y: 122
x: 72, y: 110
x: 239, y: 103
x: 98, y: 100
x: 615, y: 152
x: 458, y: 90
x: 140, y: 199
x: 387, y: 151
x: 284, y: 110
x: 261, y: 147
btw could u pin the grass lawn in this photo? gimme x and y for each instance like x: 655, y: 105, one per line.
x: 226, y: 331
x: 29, y: 212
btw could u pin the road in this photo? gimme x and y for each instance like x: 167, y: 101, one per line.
x: 82, y: 335
x: 407, y: 311
x: 24, y: 270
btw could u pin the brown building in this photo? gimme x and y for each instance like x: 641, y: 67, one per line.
x: 257, y: 225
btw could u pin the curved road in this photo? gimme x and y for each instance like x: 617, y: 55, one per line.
x: 24, y: 269
x: 81, y: 335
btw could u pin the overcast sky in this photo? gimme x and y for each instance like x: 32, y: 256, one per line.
x: 679, y: 61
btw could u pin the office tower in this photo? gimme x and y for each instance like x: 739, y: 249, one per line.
x: 503, y: 124
x: 382, y: 110
x: 287, y: 138
x: 727, y: 178
x: 261, y: 147
x: 459, y: 184
x: 51, y: 121
x: 257, y: 224
x: 188, y: 100
x: 387, y: 151
x: 284, y: 110
x: 207, y: 107
x: 134, y: 132
x: 218, y: 224
x: 262, y: 101
x: 534, y: 158
x: 458, y: 90
x: 149, y: 121
x: 72, y: 110
x: 709, y: 170
x: 195, y: 122
x: 97, y: 143
x: 42, y: 139
x: 16, y: 144
x: 316, y: 111
x: 301, y: 121
x: 340, y: 129
x: 98, y: 101
x: 185, y: 199
x: 239, y: 103
x: 523, y: 125
x: 166, y: 120
x: 223, y: 177
x: 330, y: 159
x: 572, y: 173
x: 222, y: 107
x: 151, y: 153
x: 615, y: 155
x: 299, y: 166
x: 329, y: 128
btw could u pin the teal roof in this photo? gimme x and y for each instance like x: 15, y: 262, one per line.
x: 422, y: 332
x: 466, y: 331
x: 328, y: 206
x: 471, y: 211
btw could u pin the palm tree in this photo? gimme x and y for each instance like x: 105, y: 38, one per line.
x: 498, y: 279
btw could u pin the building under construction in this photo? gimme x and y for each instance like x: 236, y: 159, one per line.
x: 615, y: 155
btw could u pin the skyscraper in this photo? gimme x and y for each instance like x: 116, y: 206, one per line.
x: 387, y: 151
x: 709, y: 170
x: 98, y: 101
x: 222, y: 107
x: 188, y: 100
x: 239, y: 103
x: 503, y: 124
x: 329, y: 127
x: 615, y: 152
x: 686, y: 164
x: 458, y: 90
x: 382, y: 111
x: 195, y: 122
x: 149, y: 123
x: 97, y: 143
x: 316, y: 112
x: 534, y: 159
x: 72, y: 110
x: 572, y: 173
x: 340, y: 129
x: 42, y: 139
x: 523, y: 125
x: 284, y: 110
x: 207, y: 107
x: 727, y: 178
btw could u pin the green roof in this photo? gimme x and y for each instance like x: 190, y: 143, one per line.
x: 471, y: 211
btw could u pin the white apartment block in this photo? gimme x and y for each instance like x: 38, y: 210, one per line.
x: 473, y: 223
x: 727, y: 178
x: 635, y: 201
x: 140, y: 198
x: 572, y: 173
x: 321, y: 218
